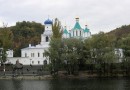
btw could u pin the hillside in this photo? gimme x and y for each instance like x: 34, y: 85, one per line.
x: 20, y: 35
x: 122, y: 31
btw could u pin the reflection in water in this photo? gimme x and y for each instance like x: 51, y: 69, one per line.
x: 17, y: 84
x: 66, y: 84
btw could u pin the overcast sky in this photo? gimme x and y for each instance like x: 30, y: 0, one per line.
x: 99, y: 15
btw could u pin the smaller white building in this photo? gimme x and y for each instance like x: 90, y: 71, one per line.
x: 119, y: 53
x: 9, y: 53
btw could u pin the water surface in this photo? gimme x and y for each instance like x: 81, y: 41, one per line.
x: 67, y: 84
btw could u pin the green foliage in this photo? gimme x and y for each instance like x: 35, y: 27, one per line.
x: 57, y: 29
x: 6, y: 38
x: 65, y: 52
x: 120, y: 32
x: 20, y: 35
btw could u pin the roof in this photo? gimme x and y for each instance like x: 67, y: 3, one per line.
x: 77, y: 26
x: 65, y: 31
x: 86, y: 30
x: 48, y: 21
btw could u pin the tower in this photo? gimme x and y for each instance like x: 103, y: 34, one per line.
x: 45, y: 37
x: 77, y: 31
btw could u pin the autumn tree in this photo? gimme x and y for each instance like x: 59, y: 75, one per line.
x: 53, y: 52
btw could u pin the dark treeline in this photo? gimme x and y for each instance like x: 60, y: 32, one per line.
x: 20, y: 35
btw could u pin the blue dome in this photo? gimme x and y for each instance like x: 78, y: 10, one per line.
x: 48, y: 21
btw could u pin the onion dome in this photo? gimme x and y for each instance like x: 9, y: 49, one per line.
x: 86, y: 29
x: 48, y: 21
x: 77, y: 25
x: 65, y: 31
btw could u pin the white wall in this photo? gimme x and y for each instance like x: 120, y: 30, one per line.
x: 48, y: 27
x: 33, y: 50
x: 27, y: 61
x: 9, y: 53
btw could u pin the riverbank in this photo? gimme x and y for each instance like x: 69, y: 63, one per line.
x: 60, y: 75
x: 27, y: 77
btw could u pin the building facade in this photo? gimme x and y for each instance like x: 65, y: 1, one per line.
x: 34, y: 54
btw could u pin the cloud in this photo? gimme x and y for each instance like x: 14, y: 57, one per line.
x: 100, y: 15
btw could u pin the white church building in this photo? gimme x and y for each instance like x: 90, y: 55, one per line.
x: 34, y: 55
x: 77, y: 31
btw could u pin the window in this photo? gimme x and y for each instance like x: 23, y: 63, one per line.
x: 38, y: 62
x: 76, y: 33
x: 32, y: 62
x: 47, y: 38
x: 25, y: 54
x: 33, y: 54
x: 43, y: 54
x: 45, y: 62
x: 80, y: 33
x: 38, y: 54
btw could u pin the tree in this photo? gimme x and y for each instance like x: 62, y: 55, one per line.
x: 102, y: 51
x: 6, y: 37
x: 57, y: 29
x: 126, y: 52
x: 54, y: 51
x: 72, y: 50
x: 25, y: 33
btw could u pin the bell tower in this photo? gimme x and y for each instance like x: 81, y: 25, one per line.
x: 45, y: 37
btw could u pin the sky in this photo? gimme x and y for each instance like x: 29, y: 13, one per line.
x: 99, y: 15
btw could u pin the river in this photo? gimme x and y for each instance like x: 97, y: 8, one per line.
x: 67, y: 84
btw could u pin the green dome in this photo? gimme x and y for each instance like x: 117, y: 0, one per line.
x: 65, y: 31
x: 77, y: 26
x: 86, y: 30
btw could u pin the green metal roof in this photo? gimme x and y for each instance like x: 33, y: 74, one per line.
x: 65, y: 31
x: 86, y: 30
x: 77, y: 26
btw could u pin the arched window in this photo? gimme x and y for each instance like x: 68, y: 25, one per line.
x: 33, y: 54
x: 45, y: 62
x: 76, y: 33
x: 43, y: 54
x: 73, y: 33
x: 25, y: 54
x: 32, y: 62
x: 80, y: 33
x: 38, y: 62
x: 47, y: 38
